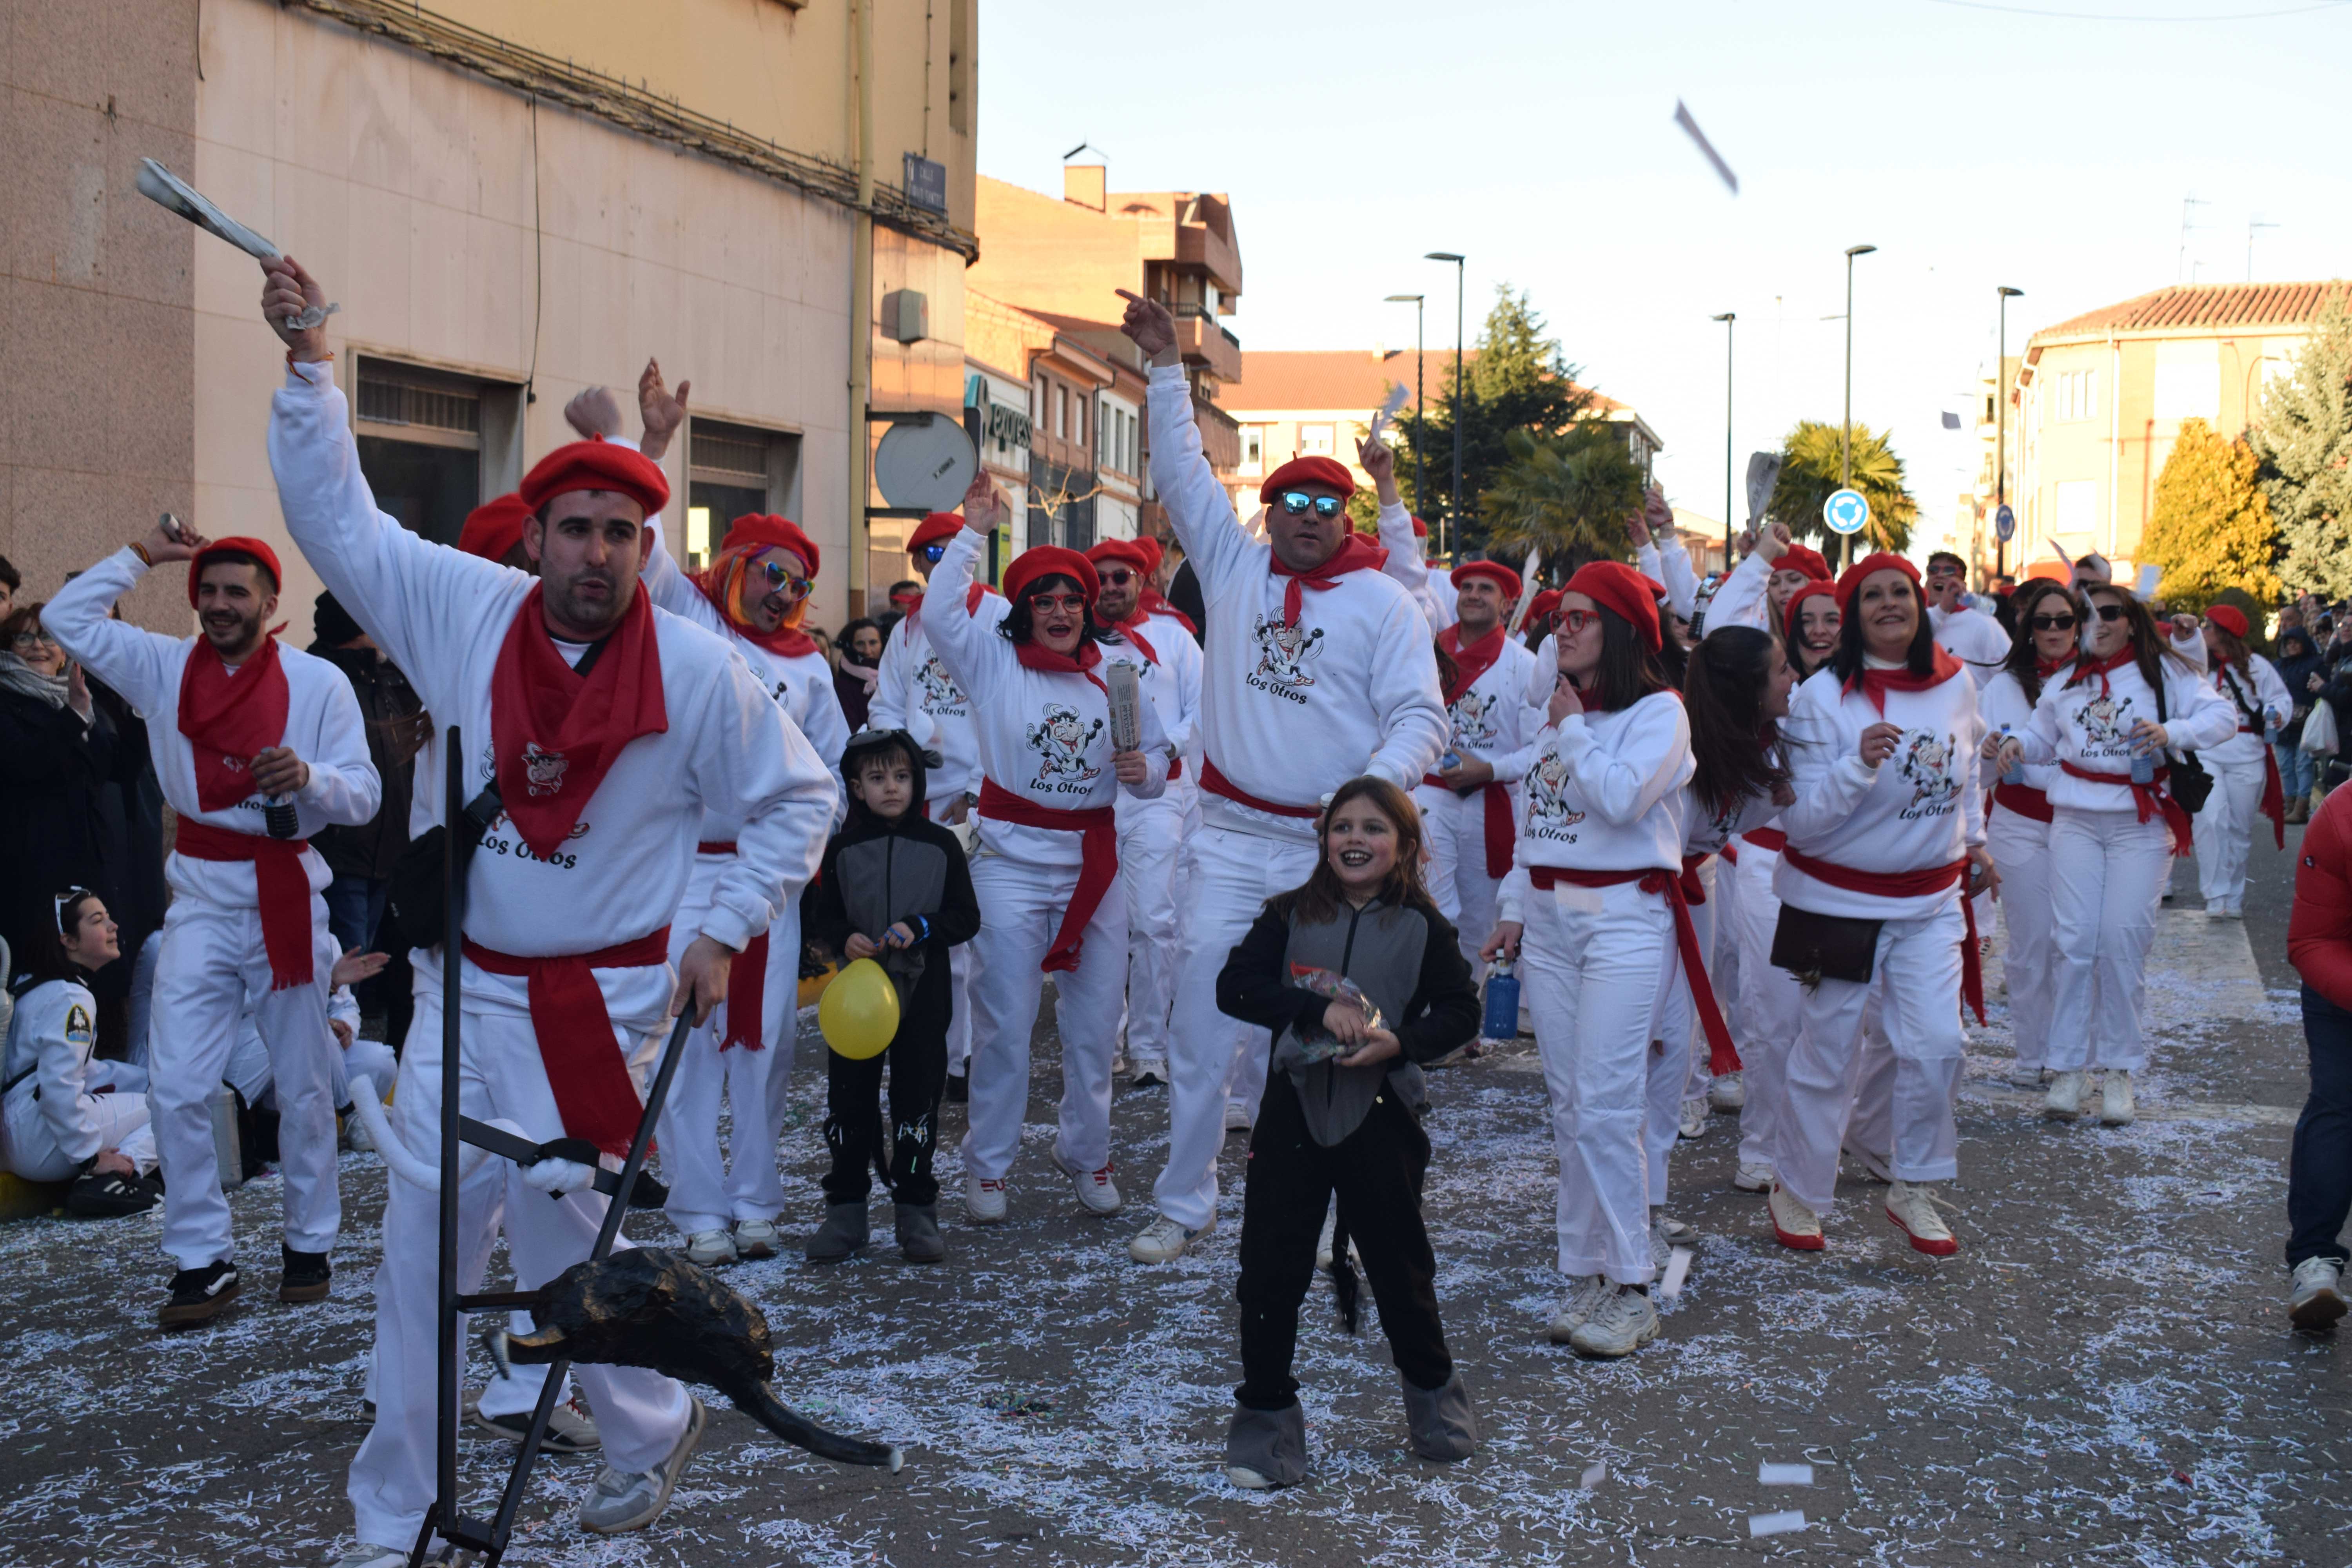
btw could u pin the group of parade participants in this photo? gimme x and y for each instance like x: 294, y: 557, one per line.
x: 1751, y: 871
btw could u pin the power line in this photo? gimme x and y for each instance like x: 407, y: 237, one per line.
x: 2112, y: 17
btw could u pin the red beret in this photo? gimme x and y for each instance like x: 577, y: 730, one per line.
x: 767, y: 532
x: 596, y: 464
x: 1131, y: 551
x: 1493, y: 569
x: 1042, y: 561
x: 1850, y: 583
x: 1616, y: 586
x: 1789, y: 611
x: 1420, y: 529
x: 1153, y: 548
x: 1802, y: 558
x: 2228, y: 617
x: 494, y: 528
x: 1324, y: 471
x: 936, y: 529
x: 253, y: 547
x: 1540, y: 607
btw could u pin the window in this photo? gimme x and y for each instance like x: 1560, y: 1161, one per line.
x: 1083, y: 405
x: 1315, y: 440
x: 2076, y: 394
x: 423, y: 438
x: 731, y: 470
x: 1253, y: 449
x: 1062, y: 412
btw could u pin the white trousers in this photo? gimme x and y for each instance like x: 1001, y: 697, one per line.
x: 1917, y: 975
x: 1021, y: 910
x: 963, y: 960
x: 2107, y: 871
x: 1723, y: 949
x: 640, y: 1415
x: 2021, y: 851
x: 1679, y: 1053
x: 1151, y: 836
x: 210, y: 969
x: 1770, y: 1006
x: 370, y: 1059
x: 119, y: 1114
x: 2225, y: 830
x: 1589, y: 961
x: 1233, y: 874
x: 707, y: 1192
x: 1454, y: 828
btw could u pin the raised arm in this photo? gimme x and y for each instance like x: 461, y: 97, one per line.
x: 969, y: 649
x: 1182, y: 659
x: 893, y: 683
x: 142, y: 666
x: 1198, y: 508
x: 1739, y: 600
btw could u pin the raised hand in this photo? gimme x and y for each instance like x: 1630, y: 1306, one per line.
x: 979, y: 503
x: 1774, y: 541
x: 662, y: 410
x: 172, y: 539
x: 287, y: 292
x: 1377, y: 459
x: 1150, y: 327
x: 593, y: 411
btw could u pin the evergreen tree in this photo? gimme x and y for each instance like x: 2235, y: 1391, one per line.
x: 2304, y: 445
x: 1809, y: 460
x: 2212, y: 528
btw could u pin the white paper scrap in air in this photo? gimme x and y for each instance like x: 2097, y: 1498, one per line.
x: 1678, y: 1263
x: 1594, y: 1474
x: 1682, y: 118
x: 1768, y: 1474
x: 1787, y: 1523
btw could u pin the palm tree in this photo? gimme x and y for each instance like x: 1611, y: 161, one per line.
x: 1809, y: 475
x: 1566, y: 495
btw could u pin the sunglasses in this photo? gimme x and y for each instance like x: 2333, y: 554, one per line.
x: 1296, y: 504
x: 931, y: 552
x: 60, y: 901
x: 2109, y: 612
x: 1070, y: 604
x: 2052, y: 623
x: 1118, y: 579
x: 1575, y: 621
x: 780, y: 576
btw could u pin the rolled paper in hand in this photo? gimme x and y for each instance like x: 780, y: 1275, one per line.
x: 1126, y: 707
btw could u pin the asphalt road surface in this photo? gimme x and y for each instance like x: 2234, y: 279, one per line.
x: 2103, y: 1376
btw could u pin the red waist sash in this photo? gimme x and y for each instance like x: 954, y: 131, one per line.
x: 2022, y: 799
x: 1770, y: 838
x: 1502, y: 833
x: 281, y: 887
x: 586, y: 1066
x: 1097, y: 859
x: 1908, y: 885
x: 1721, y: 1055
x: 2150, y: 799
x: 1216, y: 783
x: 746, y: 982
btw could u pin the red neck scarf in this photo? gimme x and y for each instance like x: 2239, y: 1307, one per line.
x: 2087, y: 666
x: 1356, y: 553
x: 1037, y: 656
x: 1152, y: 602
x: 229, y: 718
x: 722, y: 583
x: 2046, y: 667
x: 1469, y: 663
x: 1875, y: 684
x: 554, y: 732
x: 1132, y: 630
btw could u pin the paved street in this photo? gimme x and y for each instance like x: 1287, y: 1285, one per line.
x: 2103, y: 1376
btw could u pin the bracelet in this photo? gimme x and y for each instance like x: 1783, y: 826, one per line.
x: 139, y: 549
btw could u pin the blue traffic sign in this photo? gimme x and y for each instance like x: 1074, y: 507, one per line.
x: 2004, y: 524
x: 1845, y: 512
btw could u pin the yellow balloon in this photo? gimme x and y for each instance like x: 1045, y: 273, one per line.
x: 858, y: 1014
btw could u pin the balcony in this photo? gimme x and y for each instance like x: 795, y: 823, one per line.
x: 1221, y: 436
x: 1203, y: 340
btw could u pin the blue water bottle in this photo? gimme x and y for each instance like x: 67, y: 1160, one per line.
x: 1502, y: 1020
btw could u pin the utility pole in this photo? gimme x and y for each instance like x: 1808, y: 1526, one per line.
x: 2188, y: 206
x: 1726, y: 319
x: 1454, y: 509
x: 1420, y: 496
x: 1845, y: 431
x: 2000, y: 432
x: 2253, y: 224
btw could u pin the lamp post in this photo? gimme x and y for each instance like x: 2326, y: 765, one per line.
x: 1418, y: 495
x: 1453, y: 510
x: 1726, y: 319
x: 2000, y: 433
x: 1845, y: 431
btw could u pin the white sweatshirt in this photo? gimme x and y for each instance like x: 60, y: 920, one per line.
x: 1669, y: 566
x: 1493, y: 720
x: 323, y: 727
x: 1603, y: 794
x: 1408, y: 562
x: 801, y: 685
x: 442, y: 615
x: 1044, y: 734
x: 2265, y: 695
x: 48, y: 1059
x: 914, y: 692
x: 1973, y: 637
x: 1706, y: 832
x: 2007, y: 712
x: 2089, y: 723
x: 1740, y: 599
x: 1920, y: 809
x: 1290, y: 713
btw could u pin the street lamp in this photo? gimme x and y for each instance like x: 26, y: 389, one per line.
x: 1455, y: 508
x: 1726, y: 319
x: 1418, y: 495
x: 2000, y: 434
x: 1845, y: 435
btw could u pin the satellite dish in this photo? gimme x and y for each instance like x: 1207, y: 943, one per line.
x: 928, y: 465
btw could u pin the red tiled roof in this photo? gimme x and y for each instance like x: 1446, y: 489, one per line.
x: 1340, y: 379
x: 2203, y: 305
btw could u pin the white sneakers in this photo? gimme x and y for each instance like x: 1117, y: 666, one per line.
x: 1584, y: 1293
x: 2025, y: 1075
x: 1150, y: 1071
x: 1755, y: 1176
x: 1164, y: 1240
x: 1665, y: 1235
x: 2116, y: 1109
x: 1793, y: 1224
x: 1098, y: 1194
x: 2320, y: 1299
x: 1623, y: 1321
x: 711, y: 1249
x: 1694, y: 1118
x: 983, y: 1200
x: 755, y: 1238
x: 2064, y: 1100
x: 368, y: 1554
x: 1237, y: 1118
x: 623, y: 1500
x: 2221, y: 910
x: 1912, y: 1206
x: 1729, y: 1091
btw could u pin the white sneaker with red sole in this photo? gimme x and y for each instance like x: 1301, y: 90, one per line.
x: 1912, y: 1206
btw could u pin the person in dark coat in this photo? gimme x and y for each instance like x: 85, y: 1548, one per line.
x: 57, y: 756
x: 2299, y: 665
x: 857, y: 665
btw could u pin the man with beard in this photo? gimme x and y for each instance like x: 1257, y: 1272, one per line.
x: 608, y: 729
x: 1317, y: 669
x: 257, y: 747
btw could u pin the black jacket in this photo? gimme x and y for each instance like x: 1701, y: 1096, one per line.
x: 390, y: 708
x: 895, y: 871
x: 54, y: 771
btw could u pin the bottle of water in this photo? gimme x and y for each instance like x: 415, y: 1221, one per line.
x: 278, y: 816
x: 1502, y: 1020
x: 2143, y: 766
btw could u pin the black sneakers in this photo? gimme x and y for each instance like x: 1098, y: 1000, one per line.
x: 306, y: 1276
x: 111, y: 1195
x: 199, y: 1294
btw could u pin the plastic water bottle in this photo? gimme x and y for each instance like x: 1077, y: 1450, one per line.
x: 2008, y: 770
x: 1502, y: 1020
x: 2143, y: 766
x: 1450, y: 761
x: 278, y: 816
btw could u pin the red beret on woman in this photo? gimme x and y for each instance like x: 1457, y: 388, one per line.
x: 1043, y: 561
x: 1616, y: 586
x: 2229, y: 618
x: 1850, y: 584
x: 1803, y: 558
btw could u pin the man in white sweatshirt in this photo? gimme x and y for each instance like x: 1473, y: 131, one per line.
x: 1406, y: 539
x: 1966, y: 633
x: 608, y: 729
x: 1318, y: 669
x: 256, y: 747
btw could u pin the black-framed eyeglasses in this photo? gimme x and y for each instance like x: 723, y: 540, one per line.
x: 931, y: 552
x: 35, y: 639
x: 1296, y: 504
x: 2109, y: 612
x: 2052, y: 623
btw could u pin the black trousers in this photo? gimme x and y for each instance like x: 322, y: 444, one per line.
x: 1377, y: 1173
x: 853, y: 1120
x: 2319, y: 1170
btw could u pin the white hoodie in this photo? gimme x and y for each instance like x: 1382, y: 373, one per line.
x: 1603, y: 794
x: 2087, y: 721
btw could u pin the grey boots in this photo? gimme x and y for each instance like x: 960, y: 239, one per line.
x: 843, y: 1232
x: 919, y: 1232
x: 1267, y: 1448
x: 1445, y: 1427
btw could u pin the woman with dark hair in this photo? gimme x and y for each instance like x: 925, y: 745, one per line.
x: 2115, y: 829
x: 1809, y: 627
x: 1886, y: 825
x: 1341, y: 1118
x: 859, y: 667
x: 58, y: 753
x: 1595, y: 897
x: 1047, y: 870
x: 2017, y: 823
x: 2300, y: 669
x: 2246, y: 781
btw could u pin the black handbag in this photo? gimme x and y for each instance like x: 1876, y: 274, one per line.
x: 2191, y: 781
x: 1816, y: 947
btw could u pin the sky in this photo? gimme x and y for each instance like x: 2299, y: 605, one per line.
x: 1975, y: 145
